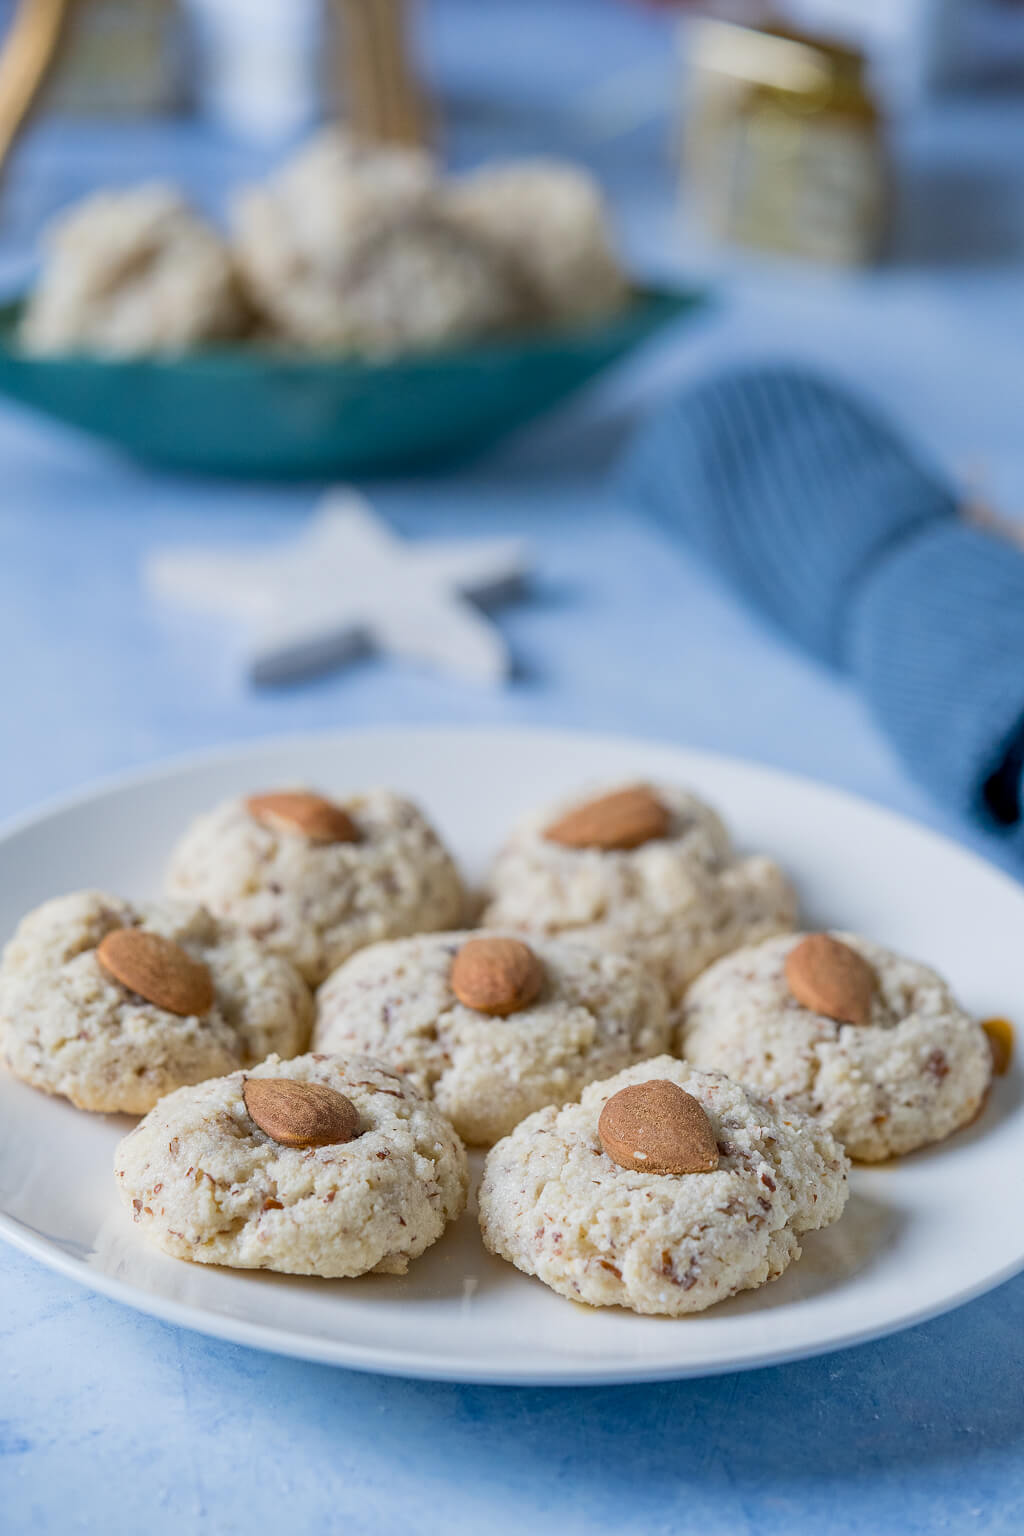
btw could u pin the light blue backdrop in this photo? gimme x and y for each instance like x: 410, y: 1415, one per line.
x: 111, y: 1422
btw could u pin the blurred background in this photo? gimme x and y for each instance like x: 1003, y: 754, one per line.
x: 209, y: 91
x: 838, y: 182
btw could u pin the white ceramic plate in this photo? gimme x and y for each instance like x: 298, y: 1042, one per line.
x: 918, y: 1237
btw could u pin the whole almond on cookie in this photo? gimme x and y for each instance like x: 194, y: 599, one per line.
x: 158, y: 970
x: 622, y: 820
x: 319, y: 820
x: 657, y: 1127
x: 829, y: 977
x: 496, y: 976
x: 300, y: 1114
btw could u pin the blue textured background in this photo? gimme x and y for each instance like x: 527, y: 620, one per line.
x: 111, y: 1422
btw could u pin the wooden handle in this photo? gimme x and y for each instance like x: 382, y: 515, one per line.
x: 383, y: 100
x: 27, y: 55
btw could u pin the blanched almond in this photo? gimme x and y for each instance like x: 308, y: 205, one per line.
x: 158, y: 970
x: 496, y: 976
x: 657, y: 1127
x: 625, y: 819
x: 829, y: 977
x: 300, y: 1114
x: 313, y: 817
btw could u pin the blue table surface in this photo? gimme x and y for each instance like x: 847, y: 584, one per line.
x: 112, y: 1422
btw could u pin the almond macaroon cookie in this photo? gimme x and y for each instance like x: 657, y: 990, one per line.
x: 873, y: 1045
x: 664, y: 1190
x: 349, y: 247
x: 133, y: 271
x: 492, y: 1027
x: 316, y: 879
x: 550, y: 219
x: 113, y: 1004
x: 648, y: 867
x: 324, y: 1165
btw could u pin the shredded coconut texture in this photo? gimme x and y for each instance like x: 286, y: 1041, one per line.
x: 205, y: 1183
x: 597, y: 1012
x: 916, y: 1072
x: 677, y: 902
x: 317, y: 903
x: 69, y: 1028
x: 554, y: 1204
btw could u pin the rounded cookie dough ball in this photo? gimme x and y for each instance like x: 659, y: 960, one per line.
x: 206, y: 1183
x: 131, y: 272
x: 914, y: 1071
x: 594, y: 1012
x: 673, y: 892
x: 348, y: 247
x: 555, y: 1204
x: 312, y: 893
x: 68, y: 1026
x: 549, y: 216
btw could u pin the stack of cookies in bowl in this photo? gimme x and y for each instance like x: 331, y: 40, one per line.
x: 667, y: 1079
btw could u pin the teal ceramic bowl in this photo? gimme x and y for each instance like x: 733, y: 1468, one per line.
x: 255, y: 412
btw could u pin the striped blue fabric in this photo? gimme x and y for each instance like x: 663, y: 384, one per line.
x: 806, y: 502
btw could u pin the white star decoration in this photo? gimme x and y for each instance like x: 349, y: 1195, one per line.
x: 347, y: 584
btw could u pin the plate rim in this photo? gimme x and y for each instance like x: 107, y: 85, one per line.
x: 430, y: 1366
x: 382, y: 1361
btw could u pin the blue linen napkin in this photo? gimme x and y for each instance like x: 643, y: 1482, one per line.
x: 814, y: 510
